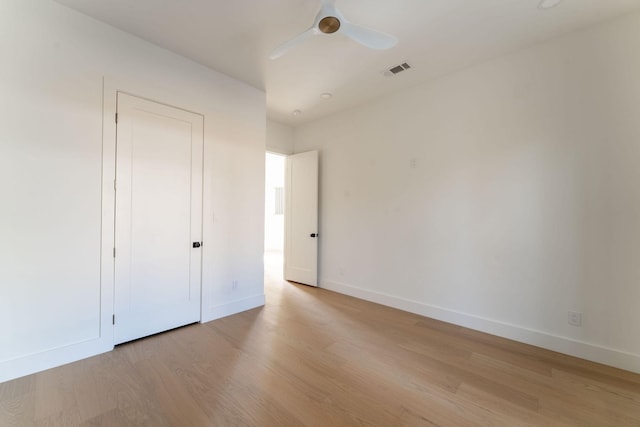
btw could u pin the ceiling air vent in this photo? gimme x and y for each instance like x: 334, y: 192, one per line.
x: 397, y: 69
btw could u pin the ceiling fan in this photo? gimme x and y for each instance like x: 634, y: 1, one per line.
x: 329, y: 20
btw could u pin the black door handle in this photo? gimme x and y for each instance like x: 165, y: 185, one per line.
x: 197, y: 244
x: 314, y: 234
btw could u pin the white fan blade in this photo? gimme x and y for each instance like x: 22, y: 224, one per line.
x: 284, y: 47
x: 369, y: 38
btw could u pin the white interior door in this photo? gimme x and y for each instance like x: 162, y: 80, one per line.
x: 301, y: 219
x: 158, y: 218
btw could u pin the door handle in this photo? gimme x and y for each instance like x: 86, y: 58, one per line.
x: 314, y: 234
x: 197, y: 244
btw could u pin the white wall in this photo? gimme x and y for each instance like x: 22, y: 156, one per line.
x: 524, y: 202
x: 279, y: 138
x: 51, y: 129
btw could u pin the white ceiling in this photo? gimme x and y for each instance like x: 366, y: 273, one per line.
x: 436, y: 37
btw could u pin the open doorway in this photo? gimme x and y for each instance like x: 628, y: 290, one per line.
x: 275, y: 165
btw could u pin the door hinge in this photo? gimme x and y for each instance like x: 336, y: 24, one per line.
x: 114, y: 185
x: 114, y: 252
x: 116, y: 118
x: 113, y: 319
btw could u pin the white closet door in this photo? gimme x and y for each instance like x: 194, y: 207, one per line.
x: 158, y: 218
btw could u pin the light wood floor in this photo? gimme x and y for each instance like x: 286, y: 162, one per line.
x: 313, y: 357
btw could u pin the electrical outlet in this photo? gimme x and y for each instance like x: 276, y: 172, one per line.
x: 575, y: 318
x: 234, y: 285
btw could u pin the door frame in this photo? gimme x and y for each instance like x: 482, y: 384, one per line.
x: 110, y: 87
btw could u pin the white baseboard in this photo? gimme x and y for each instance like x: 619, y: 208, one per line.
x: 32, y: 363
x: 41, y: 361
x: 232, y: 307
x: 581, y: 349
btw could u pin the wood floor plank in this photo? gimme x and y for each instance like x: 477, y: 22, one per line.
x: 17, y: 388
x: 311, y: 357
x: 562, y: 394
x: 16, y: 411
x: 53, y: 394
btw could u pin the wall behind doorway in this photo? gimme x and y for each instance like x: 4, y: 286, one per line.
x: 274, y: 202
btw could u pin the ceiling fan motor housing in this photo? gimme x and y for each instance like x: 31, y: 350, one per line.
x: 329, y: 24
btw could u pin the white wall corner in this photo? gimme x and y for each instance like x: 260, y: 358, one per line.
x: 233, y: 307
x: 583, y: 350
x: 279, y: 138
